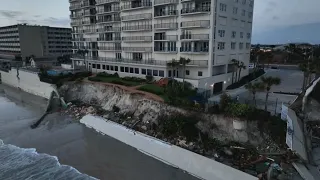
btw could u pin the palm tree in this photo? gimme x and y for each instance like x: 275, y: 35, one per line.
x: 234, y: 68
x: 184, y: 62
x: 268, y: 82
x: 240, y: 67
x: 254, y: 88
x: 83, y: 53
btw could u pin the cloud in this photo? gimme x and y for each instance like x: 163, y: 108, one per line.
x: 11, y: 14
x: 57, y: 21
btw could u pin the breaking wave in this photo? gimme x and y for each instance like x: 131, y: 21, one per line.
x: 19, y: 163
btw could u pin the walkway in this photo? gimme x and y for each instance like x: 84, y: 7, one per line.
x: 131, y: 90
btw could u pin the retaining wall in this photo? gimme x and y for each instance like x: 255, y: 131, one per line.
x: 193, y: 163
x: 28, y: 81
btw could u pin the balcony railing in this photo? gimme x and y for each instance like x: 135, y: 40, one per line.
x: 136, y: 5
x: 89, y: 30
x: 137, y: 49
x: 194, y: 50
x: 160, y: 2
x: 191, y: 24
x: 137, y: 28
x: 75, y: 16
x: 166, y: 49
x: 137, y: 17
x: 107, y: 20
x: 78, y: 23
x: 99, y: 2
x: 88, y: 13
x: 166, y: 26
x: 109, y: 10
x: 137, y: 38
x: 87, y: 4
x: 111, y: 48
x: 166, y: 13
x: 78, y: 47
x: 109, y: 29
x: 166, y: 38
x: 110, y: 39
x: 194, y: 37
x: 204, y: 9
x: 202, y: 63
x: 74, y: 7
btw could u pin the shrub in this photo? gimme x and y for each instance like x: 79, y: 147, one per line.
x: 116, y: 75
x: 149, y: 78
x: 152, y: 89
x: 135, y: 79
x: 225, y: 101
x: 115, y: 108
x: 94, y: 79
x: 239, y: 110
x: 244, y: 80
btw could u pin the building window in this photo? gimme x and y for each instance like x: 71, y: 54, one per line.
x: 235, y: 10
x: 136, y: 70
x: 161, y: 73
x: 108, y: 67
x: 241, y: 34
x: 244, y: 2
x: 247, y: 45
x: 251, y: 3
x: 223, y: 7
x: 221, y: 33
x: 187, y: 72
x: 149, y: 72
x: 233, y: 35
x: 103, y: 66
x: 126, y: 69
x: 236, y: 1
x: 143, y: 71
x: 155, y: 72
x: 221, y: 45
x: 248, y: 35
x: 250, y: 14
x: 199, y: 73
x: 131, y: 70
x: 240, y: 45
x: 111, y: 68
x: 243, y: 12
x: 121, y: 69
x: 93, y: 65
x: 233, y: 45
x: 116, y: 68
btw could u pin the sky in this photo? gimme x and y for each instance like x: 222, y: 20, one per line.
x: 269, y: 15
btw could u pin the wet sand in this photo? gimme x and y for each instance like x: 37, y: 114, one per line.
x: 74, y: 144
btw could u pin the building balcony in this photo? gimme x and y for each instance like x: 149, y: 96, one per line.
x: 137, y: 38
x: 195, y: 24
x: 86, y: 4
x: 199, y: 63
x: 194, y: 50
x: 109, y: 29
x: 111, y: 48
x: 137, y: 28
x: 89, y: 31
x: 78, y: 39
x: 194, y: 37
x: 161, y: 14
x: 109, y: 39
x: 197, y: 10
x: 166, y: 26
x: 88, y: 13
x: 164, y: 2
x: 134, y: 6
x: 75, y: 16
x: 77, y: 31
x: 78, y: 23
x: 78, y: 47
x: 108, y: 10
x: 166, y: 38
x: 100, y: 2
x: 74, y: 7
x: 137, y: 17
x: 108, y: 20
x: 137, y: 49
x: 166, y: 49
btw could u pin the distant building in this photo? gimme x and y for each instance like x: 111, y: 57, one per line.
x: 41, y: 41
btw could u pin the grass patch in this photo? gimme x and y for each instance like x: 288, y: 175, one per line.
x: 152, y: 88
x: 114, y: 80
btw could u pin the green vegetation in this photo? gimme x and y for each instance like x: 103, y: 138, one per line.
x: 61, y: 78
x: 244, y: 80
x: 115, y: 79
x: 254, y: 88
x: 152, y: 88
x: 268, y: 82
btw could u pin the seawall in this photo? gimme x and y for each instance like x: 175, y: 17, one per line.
x: 193, y: 163
x: 27, y: 81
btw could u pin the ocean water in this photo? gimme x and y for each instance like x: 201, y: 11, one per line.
x: 19, y: 163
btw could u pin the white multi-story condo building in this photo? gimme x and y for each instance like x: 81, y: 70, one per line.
x: 41, y: 41
x: 139, y: 37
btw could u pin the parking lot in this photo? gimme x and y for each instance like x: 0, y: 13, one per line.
x: 291, y: 82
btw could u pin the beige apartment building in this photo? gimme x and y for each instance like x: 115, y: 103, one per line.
x: 40, y: 41
x: 138, y: 37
